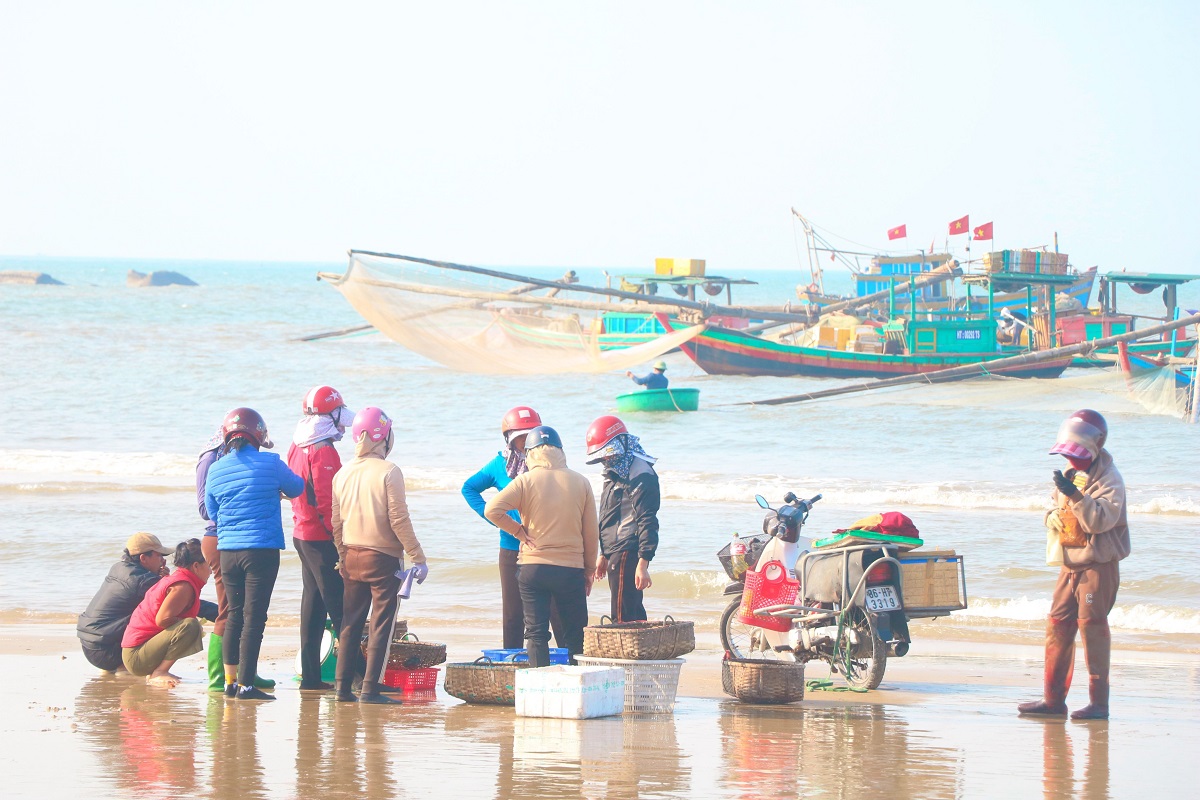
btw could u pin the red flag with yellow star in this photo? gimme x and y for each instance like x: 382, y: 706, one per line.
x: 899, y: 232
x: 960, y: 225
x: 984, y: 231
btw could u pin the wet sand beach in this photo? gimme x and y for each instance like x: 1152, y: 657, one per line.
x: 942, y: 725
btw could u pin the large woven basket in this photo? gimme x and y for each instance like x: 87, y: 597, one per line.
x: 753, y: 680
x: 407, y: 652
x: 639, y: 641
x: 485, y: 681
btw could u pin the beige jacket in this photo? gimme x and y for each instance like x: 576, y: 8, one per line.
x: 558, y: 508
x: 1101, y: 513
x: 369, y: 507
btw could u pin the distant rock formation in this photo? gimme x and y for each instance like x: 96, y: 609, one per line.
x: 28, y: 278
x: 157, y: 278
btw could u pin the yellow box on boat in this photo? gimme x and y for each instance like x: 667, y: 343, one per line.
x: 664, y: 266
x: 688, y: 267
x: 843, y: 338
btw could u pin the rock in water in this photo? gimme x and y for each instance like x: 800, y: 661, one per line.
x: 28, y: 278
x: 158, y: 278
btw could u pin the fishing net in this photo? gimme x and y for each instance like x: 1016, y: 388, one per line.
x: 1161, y: 391
x: 484, y: 324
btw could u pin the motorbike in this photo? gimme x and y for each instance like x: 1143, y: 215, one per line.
x: 848, y: 609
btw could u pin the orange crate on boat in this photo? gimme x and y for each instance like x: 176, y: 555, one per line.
x: 411, y: 680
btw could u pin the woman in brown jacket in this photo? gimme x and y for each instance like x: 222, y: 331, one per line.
x: 560, y: 540
x: 1089, y: 499
x: 372, y: 532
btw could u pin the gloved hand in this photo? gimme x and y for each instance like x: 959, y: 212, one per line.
x: 1064, y: 485
x: 1054, y: 522
x: 420, y: 572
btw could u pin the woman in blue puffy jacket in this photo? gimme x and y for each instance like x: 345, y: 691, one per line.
x: 496, y: 474
x: 241, y: 496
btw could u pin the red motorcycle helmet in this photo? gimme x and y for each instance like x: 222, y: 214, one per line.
x: 602, y: 431
x: 521, y: 418
x: 248, y: 424
x: 322, y: 400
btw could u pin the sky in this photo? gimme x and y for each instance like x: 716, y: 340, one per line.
x: 597, y: 134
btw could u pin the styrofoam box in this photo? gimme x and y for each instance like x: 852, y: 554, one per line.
x: 567, y: 692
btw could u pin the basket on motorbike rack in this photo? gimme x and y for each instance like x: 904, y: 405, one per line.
x: 769, y: 586
x: 766, y: 681
x: 934, y: 582
x: 652, y: 640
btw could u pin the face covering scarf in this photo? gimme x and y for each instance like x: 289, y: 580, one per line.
x: 315, y: 428
x: 514, y: 457
x: 619, y: 454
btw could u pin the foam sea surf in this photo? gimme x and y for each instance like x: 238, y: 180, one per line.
x: 118, y: 389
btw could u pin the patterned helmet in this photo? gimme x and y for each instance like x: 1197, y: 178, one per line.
x: 543, y: 435
x: 1082, y: 435
x: 322, y: 400
x: 372, y: 423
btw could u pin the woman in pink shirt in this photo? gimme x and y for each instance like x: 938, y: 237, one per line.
x: 164, y: 627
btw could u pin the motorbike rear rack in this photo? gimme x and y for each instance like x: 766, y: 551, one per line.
x: 816, y: 613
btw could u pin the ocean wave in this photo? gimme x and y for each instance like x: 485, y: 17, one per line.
x: 1144, y: 617
x: 94, y: 463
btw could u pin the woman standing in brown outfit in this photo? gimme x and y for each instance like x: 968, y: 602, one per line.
x: 373, y: 532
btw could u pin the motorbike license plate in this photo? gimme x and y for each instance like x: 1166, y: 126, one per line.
x: 882, y: 598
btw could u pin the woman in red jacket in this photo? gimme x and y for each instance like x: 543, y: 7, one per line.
x: 164, y: 627
x: 312, y: 456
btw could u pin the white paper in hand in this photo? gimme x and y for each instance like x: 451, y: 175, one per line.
x: 406, y: 583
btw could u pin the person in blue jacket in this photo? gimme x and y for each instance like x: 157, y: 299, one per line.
x: 496, y: 474
x: 241, y: 496
x: 655, y: 380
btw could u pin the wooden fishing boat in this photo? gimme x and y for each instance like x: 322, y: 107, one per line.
x: 659, y: 400
x: 900, y: 347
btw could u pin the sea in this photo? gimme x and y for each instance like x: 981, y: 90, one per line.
x: 112, y: 391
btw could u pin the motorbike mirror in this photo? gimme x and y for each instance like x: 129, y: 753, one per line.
x: 762, y: 501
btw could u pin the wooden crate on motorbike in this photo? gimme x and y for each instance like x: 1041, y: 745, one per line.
x: 933, y: 582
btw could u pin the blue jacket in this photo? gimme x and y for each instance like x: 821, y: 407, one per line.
x: 492, y: 476
x: 655, y: 380
x: 241, y: 495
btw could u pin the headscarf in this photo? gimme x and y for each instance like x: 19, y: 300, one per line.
x: 514, y: 457
x: 217, y: 442
x: 618, y: 455
x: 313, y: 428
x: 364, y: 447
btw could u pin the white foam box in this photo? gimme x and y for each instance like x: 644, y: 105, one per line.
x: 566, y: 692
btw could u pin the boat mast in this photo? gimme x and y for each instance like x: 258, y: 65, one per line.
x: 817, y: 245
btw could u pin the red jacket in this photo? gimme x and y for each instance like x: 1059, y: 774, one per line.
x: 142, y: 627
x: 312, y: 511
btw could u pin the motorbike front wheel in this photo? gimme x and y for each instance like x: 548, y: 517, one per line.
x: 864, y: 662
x: 747, y: 641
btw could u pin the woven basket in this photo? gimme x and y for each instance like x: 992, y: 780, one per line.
x: 484, y: 682
x: 639, y: 641
x: 650, y: 686
x: 753, y: 680
x: 409, y: 653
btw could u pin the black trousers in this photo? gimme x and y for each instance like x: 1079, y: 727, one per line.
x: 105, y: 658
x: 371, y: 586
x: 512, y: 607
x: 249, y: 577
x: 626, y: 598
x: 542, y: 584
x: 321, y: 598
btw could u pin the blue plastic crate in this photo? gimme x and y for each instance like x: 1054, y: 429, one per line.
x: 558, y: 655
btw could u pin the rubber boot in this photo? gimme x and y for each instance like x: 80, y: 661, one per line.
x: 216, y: 669
x: 1097, y: 649
x: 344, y: 695
x: 1060, y: 664
x: 370, y: 694
x: 266, y: 684
x: 539, y: 653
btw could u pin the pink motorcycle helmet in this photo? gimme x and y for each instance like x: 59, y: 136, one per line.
x: 372, y: 423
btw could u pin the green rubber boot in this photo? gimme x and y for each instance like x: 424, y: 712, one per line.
x: 216, y: 665
x: 264, y: 683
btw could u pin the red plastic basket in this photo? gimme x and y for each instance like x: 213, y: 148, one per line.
x: 768, y: 586
x: 411, y: 680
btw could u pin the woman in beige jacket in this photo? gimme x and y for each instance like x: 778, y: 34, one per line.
x: 372, y: 532
x: 559, y: 536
